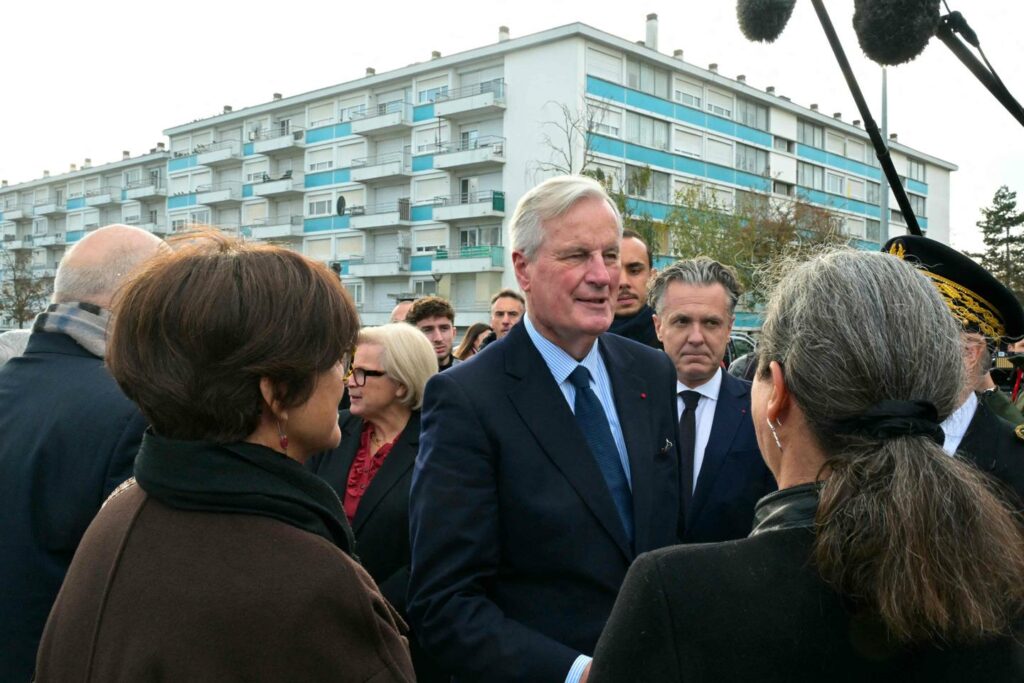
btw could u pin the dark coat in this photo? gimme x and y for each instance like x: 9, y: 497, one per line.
x: 381, y: 524
x: 754, y: 610
x: 733, y: 476
x: 993, y: 446
x: 69, y: 438
x: 163, y: 594
x: 518, y: 551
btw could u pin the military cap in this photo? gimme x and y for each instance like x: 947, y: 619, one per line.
x: 977, y: 300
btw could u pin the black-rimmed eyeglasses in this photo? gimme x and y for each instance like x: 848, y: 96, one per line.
x: 359, y: 375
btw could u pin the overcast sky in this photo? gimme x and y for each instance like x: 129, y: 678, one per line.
x: 91, y: 79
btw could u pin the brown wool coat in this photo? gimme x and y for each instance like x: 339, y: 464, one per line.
x: 160, y: 594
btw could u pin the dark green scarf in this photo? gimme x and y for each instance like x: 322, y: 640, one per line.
x: 241, y: 478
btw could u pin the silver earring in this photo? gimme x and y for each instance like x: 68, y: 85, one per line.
x: 775, y: 435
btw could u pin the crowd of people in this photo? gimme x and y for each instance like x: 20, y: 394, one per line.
x: 210, y: 471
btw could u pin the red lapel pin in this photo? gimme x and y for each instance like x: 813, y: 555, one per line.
x: 643, y: 395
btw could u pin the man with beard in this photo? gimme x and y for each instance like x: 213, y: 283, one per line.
x: 633, y: 317
x: 435, y: 318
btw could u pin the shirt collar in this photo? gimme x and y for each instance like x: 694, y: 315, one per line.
x: 560, y: 363
x: 955, y: 426
x: 709, y: 389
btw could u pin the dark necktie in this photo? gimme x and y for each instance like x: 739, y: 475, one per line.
x: 687, y: 442
x: 594, y: 423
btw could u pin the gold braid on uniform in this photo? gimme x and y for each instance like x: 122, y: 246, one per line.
x: 967, y: 307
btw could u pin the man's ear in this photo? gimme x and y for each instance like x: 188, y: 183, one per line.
x: 519, y: 264
x: 657, y: 326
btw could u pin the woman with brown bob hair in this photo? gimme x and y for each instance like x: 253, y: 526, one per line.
x: 224, y: 559
x: 471, y: 342
x: 880, y: 557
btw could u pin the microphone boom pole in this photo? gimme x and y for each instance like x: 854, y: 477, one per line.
x: 881, y: 149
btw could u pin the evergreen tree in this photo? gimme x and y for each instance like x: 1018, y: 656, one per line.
x: 1004, y: 240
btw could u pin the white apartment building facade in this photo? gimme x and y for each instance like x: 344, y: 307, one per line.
x: 41, y: 218
x: 404, y: 181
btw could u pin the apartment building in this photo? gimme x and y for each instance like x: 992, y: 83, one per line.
x: 404, y: 181
x: 39, y: 219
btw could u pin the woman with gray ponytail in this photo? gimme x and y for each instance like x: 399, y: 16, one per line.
x: 880, y: 557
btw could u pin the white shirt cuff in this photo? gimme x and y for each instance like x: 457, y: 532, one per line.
x: 577, y: 669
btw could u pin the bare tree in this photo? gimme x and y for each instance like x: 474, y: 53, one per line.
x: 22, y: 294
x: 569, y: 139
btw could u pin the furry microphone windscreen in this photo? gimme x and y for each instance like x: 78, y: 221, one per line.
x: 894, y: 31
x: 763, y: 20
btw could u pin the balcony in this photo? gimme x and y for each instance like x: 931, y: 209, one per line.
x: 382, y: 167
x: 278, y: 141
x: 17, y: 213
x: 49, y: 208
x: 276, y: 228
x: 17, y: 244
x: 387, y: 215
x: 389, y: 265
x: 468, y: 154
x: 467, y: 206
x: 155, y: 227
x: 285, y: 186
x: 223, y: 153
x: 479, y: 259
x: 472, y: 100
x: 103, y: 196
x: 140, y: 190
x: 219, y: 194
x: 54, y: 240
x: 389, y: 117
x: 44, y: 271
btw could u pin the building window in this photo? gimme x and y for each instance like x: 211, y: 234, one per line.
x: 896, y: 216
x: 685, y: 92
x: 320, y: 160
x: 872, y: 230
x: 836, y: 184
x: 319, y: 205
x: 750, y: 113
x: 779, y: 187
x: 855, y: 188
x: 605, y: 121
x: 643, y: 130
x: 657, y: 188
x: 835, y: 144
x: 647, y: 78
x: 872, y: 192
x: 915, y: 169
x: 432, y: 94
x: 752, y: 160
x: 720, y: 104
x: 424, y: 287
x: 809, y: 175
x: 355, y: 289
x: 917, y: 203
x: 783, y: 145
x: 687, y: 143
x: 810, y: 134
x: 751, y: 201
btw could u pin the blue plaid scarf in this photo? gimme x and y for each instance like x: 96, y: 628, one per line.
x: 85, y: 323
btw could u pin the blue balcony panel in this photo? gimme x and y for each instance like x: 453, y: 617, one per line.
x: 325, y: 223
x: 424, y: 162
x: 837, y: 161
x: 421, y: 263
x: 247, y: 149
x: 181, y: 201
x: 423, y: 212
x: 917, y: 186
x: 323, y: 178
x: 181, y: 163
x: 74, y: 236
x: 423, y: 112
x: 864, y: 245
x: 338, y: 130
x: 748, y: 320
x: 76, y: 203
x: 840, y: 203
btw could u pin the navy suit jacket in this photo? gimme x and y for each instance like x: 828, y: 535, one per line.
x: 517, y: 550
x: 69, y: 438
x: 733, y: 476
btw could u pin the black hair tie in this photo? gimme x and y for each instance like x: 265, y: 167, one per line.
x: 889, y: 419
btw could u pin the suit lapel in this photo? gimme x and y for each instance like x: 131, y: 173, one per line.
x: 729, y: 416
x: 543, y: 409
x: 399, y: 461
x: 334, y: 466
x: 630, y: 391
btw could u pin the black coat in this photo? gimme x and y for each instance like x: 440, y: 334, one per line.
x: 518, y: 551
x: 69, y: 438
x: 381, y: 524
x: 992, y: 444
x: 755, y: 610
